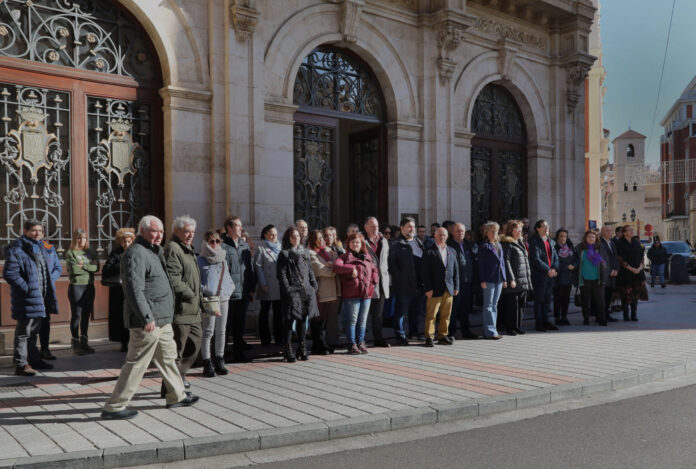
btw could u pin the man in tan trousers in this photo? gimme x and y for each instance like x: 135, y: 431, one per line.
x: 148, y: 314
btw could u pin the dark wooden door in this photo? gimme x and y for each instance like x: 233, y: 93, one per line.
x: 368, y: 175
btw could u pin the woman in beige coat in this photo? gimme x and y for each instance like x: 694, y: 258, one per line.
x: 322, y: 259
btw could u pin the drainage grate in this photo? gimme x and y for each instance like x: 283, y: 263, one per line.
x: 11, y: 387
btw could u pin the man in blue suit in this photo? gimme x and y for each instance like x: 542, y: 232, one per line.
x: 440, y: 274
x: 543, y: 260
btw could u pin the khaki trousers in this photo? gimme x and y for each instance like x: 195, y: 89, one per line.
x: 157, y: 346
x: 433, y: 305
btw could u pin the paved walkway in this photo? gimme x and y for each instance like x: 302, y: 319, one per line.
x: 270, y: 403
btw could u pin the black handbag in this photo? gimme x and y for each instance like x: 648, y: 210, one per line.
x: 577, y: 298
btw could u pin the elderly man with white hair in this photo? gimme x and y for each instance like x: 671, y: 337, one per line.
x: 148, y: 314
x: 182, y: 267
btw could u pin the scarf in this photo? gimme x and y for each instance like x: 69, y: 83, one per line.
x: 359, y: 255
x: 565, y: 251
x: 275, y: 247
x: 324, y: 253
x: 212, y: 255
x: 593, y: 256
x: 35, y: 245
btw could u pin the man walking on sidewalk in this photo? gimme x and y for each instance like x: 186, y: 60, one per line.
x: 30, y: 269
x: 148, y: 314
x: 440, y: 273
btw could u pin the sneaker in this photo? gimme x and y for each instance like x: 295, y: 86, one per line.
x: 120, y: 415
x: 428, y: 342
x: 362, y: 347
x: 25, y: 370
x: 47, y: 355
x: 353, y: 350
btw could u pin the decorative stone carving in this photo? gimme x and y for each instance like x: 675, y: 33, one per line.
x: 450, y: 27
x: 350, y: 18
x: 244, y: 20
x: 507, y: 52
x: 504, y: 31
x: 408, y: 4
x: 446, y: 68
x: 575, y: 76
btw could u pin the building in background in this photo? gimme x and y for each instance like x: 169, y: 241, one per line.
x: 275, y: 110
x: 678, y: 161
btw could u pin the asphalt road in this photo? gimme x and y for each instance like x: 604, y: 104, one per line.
x: 653, y: 431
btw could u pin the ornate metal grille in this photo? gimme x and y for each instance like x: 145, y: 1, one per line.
x: 313, y: 163
x: 35, y: 162
x: 496, y: 115
x: 119, y: 144
x: 498, y: 182
x: 365, y: 154
x: 87, y: 34
x: 333, y: 80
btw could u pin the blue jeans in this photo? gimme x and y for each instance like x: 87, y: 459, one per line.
x: 657, y: 270
x: 491, y: 295
x: 355, y: 313
x: 543, y: 289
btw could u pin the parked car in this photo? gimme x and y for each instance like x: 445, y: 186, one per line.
x: 675, y: 248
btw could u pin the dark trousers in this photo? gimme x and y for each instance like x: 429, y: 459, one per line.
x: 376, y: 311
x: 511, y: 310
x: 416, y: 314
x: 542, y: 299
x: 592, y: 294
x: 608, y: 297
x: 461, y: 308
x: 264, y: 332
x: 634, y: 308
x: 300, y: 329
x: 45, y: 331
x: 81, y: 299
x: 26, y: 332
x: 188, y: 343
x: 236, y: 320
x: 561, y: 301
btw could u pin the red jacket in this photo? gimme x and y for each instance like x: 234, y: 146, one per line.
x: 362, y: 286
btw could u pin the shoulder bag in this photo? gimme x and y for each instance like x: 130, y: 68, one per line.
x: 211, y: 304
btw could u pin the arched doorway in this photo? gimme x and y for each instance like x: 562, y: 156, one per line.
x: 80, y: 120
x: 339, y: 145
x: 498, y: 158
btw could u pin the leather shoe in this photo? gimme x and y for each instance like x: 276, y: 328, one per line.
x: 120, y: 415
x: 47, y: 355
x: 540, y: 328
x: 468, y: 335
x: 401, y: 340
x: 428, y: 342
x: 444, y: 341
x: 25, y: 370
x: 494, y: 337
x: 382, y: 343
x: 189, y: 400
x: 520, y: 331
x: 610, y: 319
x: 42, y: 365
x: 550, y: 327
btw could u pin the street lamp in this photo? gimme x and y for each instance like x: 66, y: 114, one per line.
x: 623, y: 218
x: 633, y: 214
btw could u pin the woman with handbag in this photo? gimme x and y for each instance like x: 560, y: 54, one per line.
x: 216, y: 287
x: 591, y: 278
x: 567, y: 261
x: 631, y: 279
x: 111, y: 277
x: 514, y: 299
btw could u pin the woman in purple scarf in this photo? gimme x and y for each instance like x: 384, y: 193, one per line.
x: 590, y: 279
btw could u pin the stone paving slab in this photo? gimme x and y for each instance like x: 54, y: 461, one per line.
x: 52, y: 420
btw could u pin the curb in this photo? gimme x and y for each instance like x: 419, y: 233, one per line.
x: 240, y: 442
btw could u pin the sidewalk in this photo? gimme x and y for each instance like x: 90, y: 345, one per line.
x: 52, y: 420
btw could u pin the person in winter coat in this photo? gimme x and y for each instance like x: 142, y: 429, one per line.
x: 182, y: 268
x: 378, y: 248
x: 543, y: 260
x: 111, y: 277
x: 298, y: 289
x: 148, y: 313
x: 591, y: 278
x: 608, y: 251
x: 463, y: 302
x: 567, y: 263
x: 215, y: 281
x: 493, y: 274
x: 658, y: 256
x: 29, y: 269
x: 631, y: 276
x: 239, y: 262
x: 514, y: 299
x: 82, y: 263
x: 268, y: 288
x: 332, y: 241
x: 322, y: 259
x: 359, y: 278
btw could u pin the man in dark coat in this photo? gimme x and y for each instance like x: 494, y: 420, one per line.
x: 239, y: 262
x: 29, y: 270
x: 404, y: 268
x: 543, y: 260
x: 440, y: 274
x: 378, y: 247
x: 607, y: 249
x: 463, y: 303
x: 148, y: 312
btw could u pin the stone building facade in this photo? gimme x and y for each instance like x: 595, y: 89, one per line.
x: 271, y: 110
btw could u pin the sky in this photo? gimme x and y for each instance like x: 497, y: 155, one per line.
x: 634, y: 34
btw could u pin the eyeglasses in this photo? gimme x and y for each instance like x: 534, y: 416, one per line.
x: 214, y: 241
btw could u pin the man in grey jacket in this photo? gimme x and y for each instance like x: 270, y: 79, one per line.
x: 378, y: 247
x: 148, y: 314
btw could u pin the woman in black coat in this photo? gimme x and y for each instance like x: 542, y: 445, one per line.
x: 567, y: 263
x: 298, y: 288
x: 514, y: 299
x: 630, y: 279
x: 111, y: 277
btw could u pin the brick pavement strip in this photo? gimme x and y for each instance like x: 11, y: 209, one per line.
x: 267, y: 404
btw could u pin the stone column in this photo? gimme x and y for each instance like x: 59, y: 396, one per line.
x: 539, y: 181
x: 461, y: 176
x: 404, y: 168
